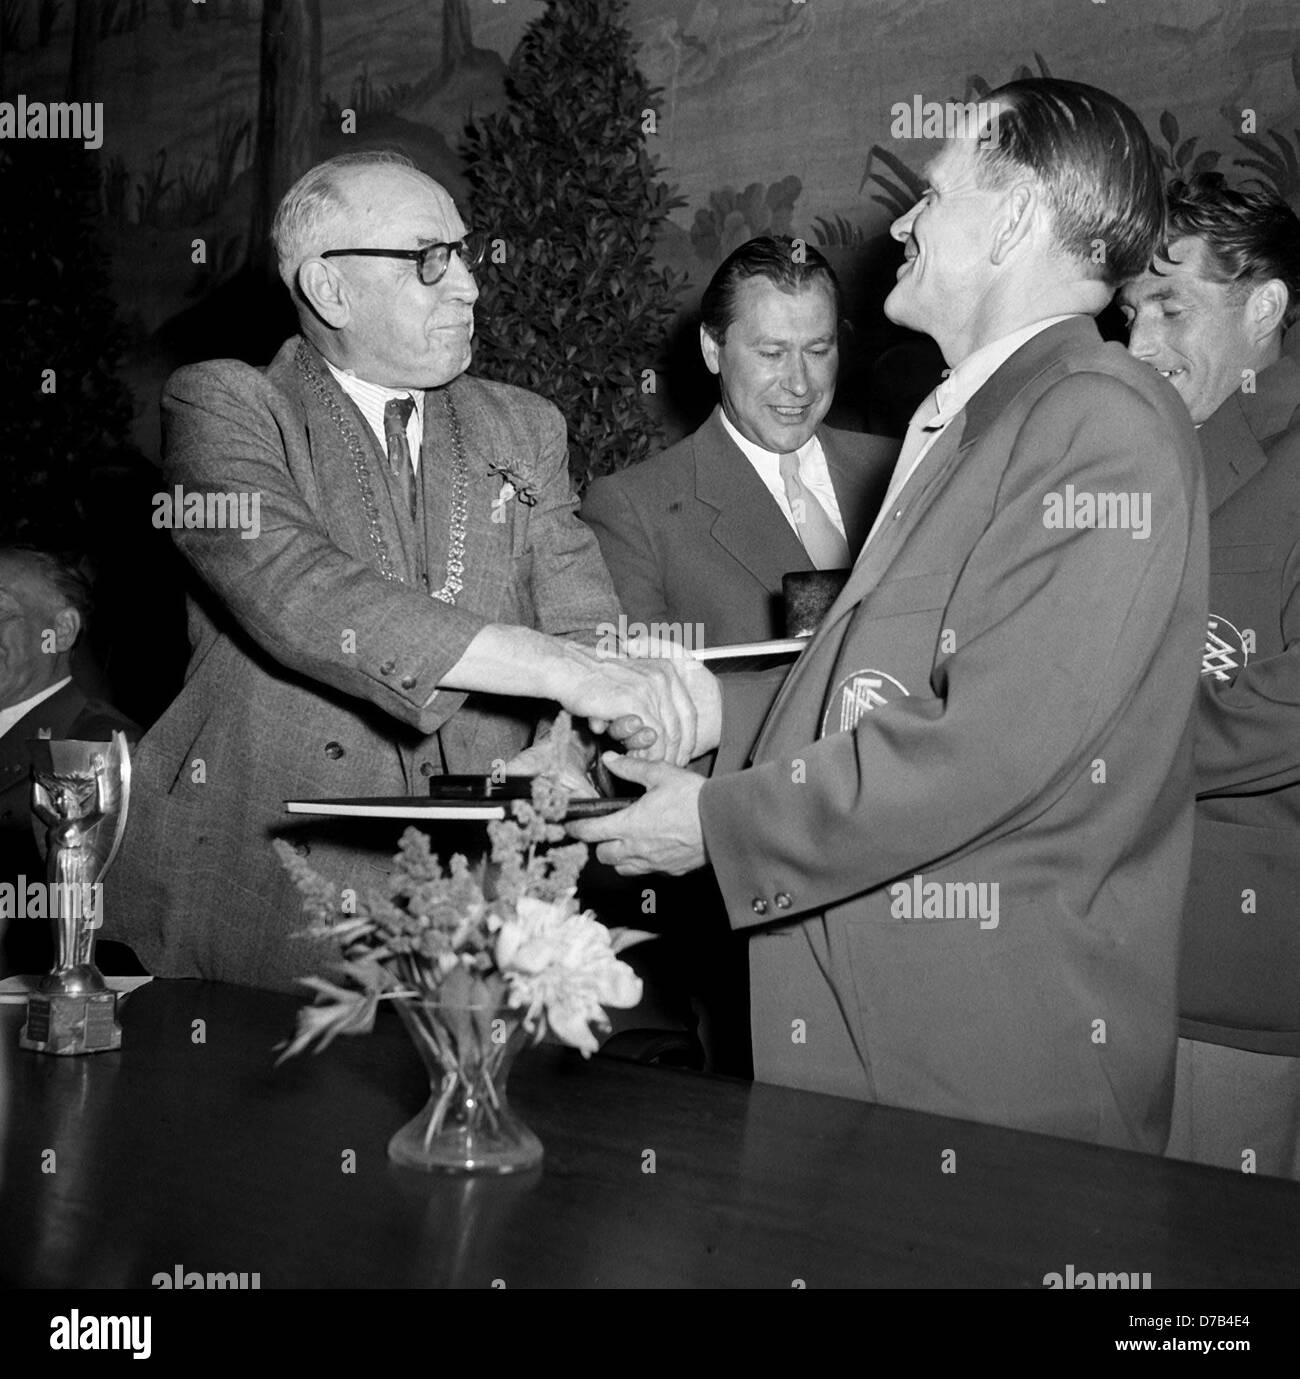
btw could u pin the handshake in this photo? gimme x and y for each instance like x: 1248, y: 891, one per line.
x: 663, y: 705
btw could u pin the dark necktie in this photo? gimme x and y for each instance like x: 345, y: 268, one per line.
x: 397, y: 412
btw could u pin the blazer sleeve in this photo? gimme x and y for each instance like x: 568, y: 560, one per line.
x: 304, y: 600
x: 572, y: 592
x: 1053, y: 628
x: 609, y: 510
x: 1248, y: 730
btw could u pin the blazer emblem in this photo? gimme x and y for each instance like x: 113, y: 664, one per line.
x: 859, y: 693
x: 1225, y: 649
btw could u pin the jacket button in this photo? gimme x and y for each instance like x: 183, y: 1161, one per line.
x: 302, y: 849
x: 334, y: 750
x: 759, y: 906
x: 408, y: 682
x: 426, y: 768
x: 782, y: 901
x: 388, y: 667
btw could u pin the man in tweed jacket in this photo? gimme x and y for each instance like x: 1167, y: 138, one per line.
x: 387, y: 555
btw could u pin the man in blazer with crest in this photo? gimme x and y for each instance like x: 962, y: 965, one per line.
x: 962, y: 835
x: 381, y: 543
x: 700, y: 536
x: 1210, y: 315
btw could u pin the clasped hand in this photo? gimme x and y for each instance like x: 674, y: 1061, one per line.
x: 663, y: 706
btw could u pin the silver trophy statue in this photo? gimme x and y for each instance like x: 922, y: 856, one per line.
x: 80, y: 791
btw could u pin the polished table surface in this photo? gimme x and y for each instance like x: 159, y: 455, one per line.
x: 204, y: 1155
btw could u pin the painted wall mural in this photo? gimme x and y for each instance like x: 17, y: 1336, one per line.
x: 774, y: 115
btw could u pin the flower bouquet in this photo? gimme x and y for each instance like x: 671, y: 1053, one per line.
x: 478, y: 962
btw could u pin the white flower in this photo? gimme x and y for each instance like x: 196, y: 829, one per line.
x: 561, y: 964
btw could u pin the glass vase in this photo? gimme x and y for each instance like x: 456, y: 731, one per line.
x: 467, y: 1125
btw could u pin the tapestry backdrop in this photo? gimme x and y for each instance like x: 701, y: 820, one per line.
x: 774, y: 114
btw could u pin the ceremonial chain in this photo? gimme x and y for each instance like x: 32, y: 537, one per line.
x: 357, y: 452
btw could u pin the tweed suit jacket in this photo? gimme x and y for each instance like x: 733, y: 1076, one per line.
x: 1240, y: 976
x: 693, y: 536
x: 994, y: 700
x: 317, y: 648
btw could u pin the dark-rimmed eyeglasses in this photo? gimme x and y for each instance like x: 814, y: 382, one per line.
x: 431, y: 262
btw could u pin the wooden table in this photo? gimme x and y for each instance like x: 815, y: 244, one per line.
x: 189, y: 1148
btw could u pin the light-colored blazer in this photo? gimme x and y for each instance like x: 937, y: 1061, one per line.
x: 312, y: 674
x: 1023, y: 696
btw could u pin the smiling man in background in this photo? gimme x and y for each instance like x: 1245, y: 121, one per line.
x: 700, y: 536
x: 1210, y: 315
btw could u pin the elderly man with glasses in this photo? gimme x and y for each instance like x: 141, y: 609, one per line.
x: 412, y: 567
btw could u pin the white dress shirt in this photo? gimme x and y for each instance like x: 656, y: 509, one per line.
x: 813, y: 470
x: 16, y: 712
x: 951, y: 397
x: 371, y: 398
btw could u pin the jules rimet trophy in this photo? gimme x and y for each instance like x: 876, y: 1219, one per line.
x: 80, y: 793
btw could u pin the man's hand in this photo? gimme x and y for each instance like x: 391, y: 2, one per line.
x: 660, y: 832
x: 664, y: 707
x: 631, y: 696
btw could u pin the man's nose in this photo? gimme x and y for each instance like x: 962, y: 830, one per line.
x: 459, y: 280
x: 1143, y: 340
x: 795, y: 376
x: 901, y: 229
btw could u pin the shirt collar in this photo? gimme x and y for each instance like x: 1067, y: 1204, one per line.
x: 755, y: 454
x: 963, y: 382
x: 372, y: 397
x: 15, y: 713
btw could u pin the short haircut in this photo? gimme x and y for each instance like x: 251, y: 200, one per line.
x: 768, y: 256
x: 1250, y: 236
x: 310, y: 207
x: 1093, y: 160
x: 68, y: 587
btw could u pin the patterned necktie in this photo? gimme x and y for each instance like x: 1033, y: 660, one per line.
x: 397, y: 412
x: 826, y: 548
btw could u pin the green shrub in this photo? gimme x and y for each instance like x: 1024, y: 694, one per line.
x: 572, y: 304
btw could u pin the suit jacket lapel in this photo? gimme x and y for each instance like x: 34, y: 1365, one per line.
x: 333, y: 474
x: 850, y: 481
x: 487, y: 559
x: 922, y: 489
x: 875, y: 559
x: 1232, y: 439
x: 487, y: 546
x: 749, y: 525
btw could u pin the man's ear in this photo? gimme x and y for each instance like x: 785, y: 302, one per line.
x: 1015, y: 221
x: 323, y: 290
x: 67, y: 628
x: 709, y: 349
x: 1267, y: 307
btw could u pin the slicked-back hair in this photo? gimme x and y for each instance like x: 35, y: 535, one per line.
x: 1095, y: 164
x: 308, y: 209
x: 67, y: 586
x: 768, y: 256
x: 1250, y: 236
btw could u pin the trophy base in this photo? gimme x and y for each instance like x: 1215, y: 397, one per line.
x: 69, y: 1025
